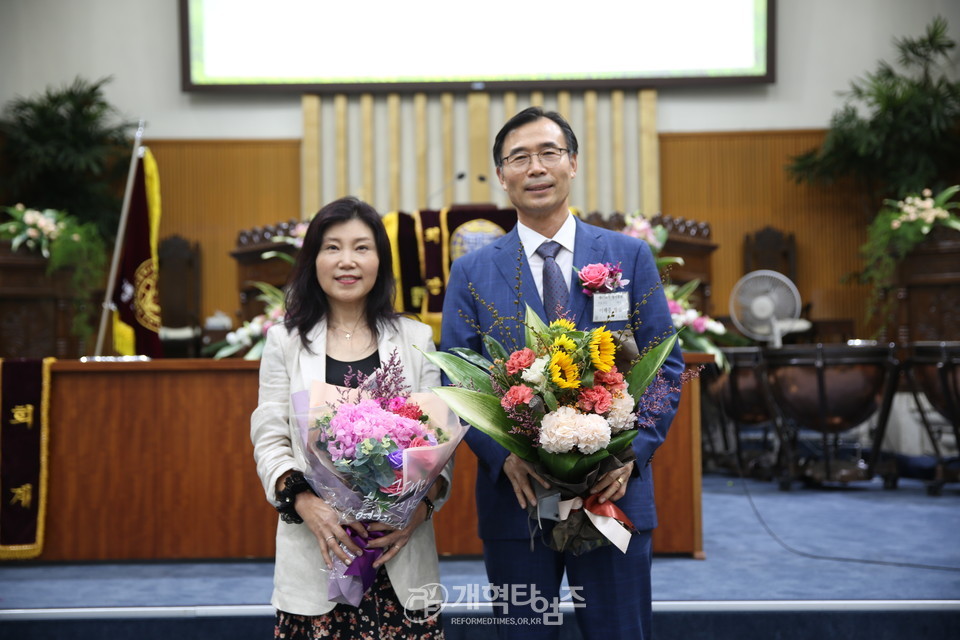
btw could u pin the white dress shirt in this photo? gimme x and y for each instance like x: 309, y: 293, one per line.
x: 564, y: 236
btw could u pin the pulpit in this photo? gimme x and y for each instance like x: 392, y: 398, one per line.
x: 36, y: 309
x: 928, y: 289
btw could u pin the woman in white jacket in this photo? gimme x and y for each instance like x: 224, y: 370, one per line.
x: 340, y: 317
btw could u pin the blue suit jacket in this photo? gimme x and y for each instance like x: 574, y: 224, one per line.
x: 500, y: 275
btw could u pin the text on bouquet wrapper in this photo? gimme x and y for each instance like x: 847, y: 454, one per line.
x: 499, y: 598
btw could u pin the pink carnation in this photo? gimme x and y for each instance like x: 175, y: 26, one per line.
x: 518, y: 394
x: 674, y: 306
x: 596, y: 399
x: 612, y: 380
x: 520, y: 360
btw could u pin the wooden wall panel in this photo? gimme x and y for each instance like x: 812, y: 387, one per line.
x: 211, y: 189
x: 738, y: 183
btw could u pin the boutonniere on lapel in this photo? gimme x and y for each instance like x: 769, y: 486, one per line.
x: 605, y: 284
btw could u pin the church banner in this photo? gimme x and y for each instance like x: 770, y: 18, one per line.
x: 24, y: 434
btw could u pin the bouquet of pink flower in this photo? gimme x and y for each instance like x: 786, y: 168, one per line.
x: 562, y: 403
x: 373, y: 452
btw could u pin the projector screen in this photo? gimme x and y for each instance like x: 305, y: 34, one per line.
x: 444, y: 45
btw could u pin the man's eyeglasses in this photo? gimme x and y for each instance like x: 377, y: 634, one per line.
x: 521, y: 160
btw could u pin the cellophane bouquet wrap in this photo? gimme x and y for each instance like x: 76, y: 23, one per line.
x: 373, y: 452
x: 567, y: 401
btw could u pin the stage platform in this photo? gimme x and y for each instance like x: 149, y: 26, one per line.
x: 853, y: 561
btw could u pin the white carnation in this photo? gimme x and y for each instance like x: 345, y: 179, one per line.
x: 534, y: 374
x: 593, y: 433
x: 621, y: 414
x: 558, y: 430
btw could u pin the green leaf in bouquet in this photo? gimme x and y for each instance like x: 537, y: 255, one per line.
x: 534, y: 327
x: 494, y: 348
x: 550, y: 399
x: 644, y: 371
x: 484, y: 412
x: 571, y: 466
x: 621, y: 441
x: 460, y: 371
x: 473, y: 357
x: 586, y: 380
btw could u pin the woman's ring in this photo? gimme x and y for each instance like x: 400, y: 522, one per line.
x: 329, y: 538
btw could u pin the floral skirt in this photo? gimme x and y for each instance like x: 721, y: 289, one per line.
x: 380, y: 615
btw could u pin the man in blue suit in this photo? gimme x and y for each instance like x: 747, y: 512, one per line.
x: 536, y: 157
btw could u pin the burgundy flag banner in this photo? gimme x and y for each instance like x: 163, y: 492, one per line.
x: 135, y: 293
x: 24, y: 434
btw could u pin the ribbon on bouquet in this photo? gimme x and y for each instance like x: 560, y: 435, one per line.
x: 605, y: 516
x: 348, y: 583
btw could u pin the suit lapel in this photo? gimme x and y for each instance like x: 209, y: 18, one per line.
x: 508, y: 249
x: 588, y: 248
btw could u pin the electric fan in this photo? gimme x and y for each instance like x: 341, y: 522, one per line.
x: 764, y: 305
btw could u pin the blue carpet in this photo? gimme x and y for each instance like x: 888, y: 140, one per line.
x: 850, y: 543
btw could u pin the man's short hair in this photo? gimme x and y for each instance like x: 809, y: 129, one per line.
x: 528, y: 115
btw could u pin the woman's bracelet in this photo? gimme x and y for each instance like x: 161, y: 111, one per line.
x: 293, y: 485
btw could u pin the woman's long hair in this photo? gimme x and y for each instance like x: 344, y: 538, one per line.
x: 306, y: 301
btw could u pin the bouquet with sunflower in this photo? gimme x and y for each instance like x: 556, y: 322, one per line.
x: 566, y: 402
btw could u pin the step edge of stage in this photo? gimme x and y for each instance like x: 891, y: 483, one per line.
x: 485, y: 609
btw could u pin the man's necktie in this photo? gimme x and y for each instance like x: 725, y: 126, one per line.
x: 554, y: 284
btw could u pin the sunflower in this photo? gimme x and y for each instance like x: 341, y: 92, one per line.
x: 562, y: 323
x: 602, y: 349
x: 565, y: 343
x: 563, y: 373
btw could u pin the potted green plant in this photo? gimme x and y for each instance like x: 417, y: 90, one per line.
x: 899, y: 129
x: 66, y: 149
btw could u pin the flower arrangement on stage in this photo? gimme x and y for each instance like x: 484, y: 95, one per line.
x: 253, y: 333
x: 896, y: 231
x: 638, y: 226
x: 702, y: 332
x: 372, y: 453
x: 67, y: 243
x: 563, y: 403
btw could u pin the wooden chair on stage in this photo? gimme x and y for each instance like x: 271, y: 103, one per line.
x: 179, y: 285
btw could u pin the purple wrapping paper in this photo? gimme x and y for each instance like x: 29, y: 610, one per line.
x: 347, y: 584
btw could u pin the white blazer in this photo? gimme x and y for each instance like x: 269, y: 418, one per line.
x: 300, y: 575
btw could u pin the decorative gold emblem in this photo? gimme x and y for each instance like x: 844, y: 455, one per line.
x: 23, y: 414
x: 473, y: 235
x: 147, y: 307
x: 22, y: 494
x: 432, y: 234
x: 435, y: 286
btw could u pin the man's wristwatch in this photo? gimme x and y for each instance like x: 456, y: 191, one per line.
x: 427, y: 501
x: 293, y: 485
